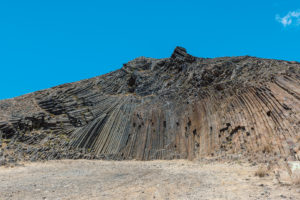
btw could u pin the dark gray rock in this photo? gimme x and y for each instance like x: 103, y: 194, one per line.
x: 2, y: 161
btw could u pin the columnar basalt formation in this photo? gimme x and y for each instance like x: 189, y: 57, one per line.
x: 177, y: 107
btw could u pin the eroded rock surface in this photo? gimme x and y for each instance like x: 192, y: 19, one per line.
x: 177, y: 107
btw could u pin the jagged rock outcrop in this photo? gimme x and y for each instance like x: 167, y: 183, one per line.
x: 177, y: 107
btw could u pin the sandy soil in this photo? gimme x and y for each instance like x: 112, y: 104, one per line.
x: 180, y: 179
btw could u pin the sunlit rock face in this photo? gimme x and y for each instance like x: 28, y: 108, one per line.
x: 177, y: 107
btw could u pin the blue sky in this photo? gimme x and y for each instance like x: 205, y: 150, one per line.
x: 51, y: 42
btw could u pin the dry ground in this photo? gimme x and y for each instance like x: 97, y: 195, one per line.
x: 178, y: 179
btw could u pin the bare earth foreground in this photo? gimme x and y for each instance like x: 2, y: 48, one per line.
x: 180, y: 179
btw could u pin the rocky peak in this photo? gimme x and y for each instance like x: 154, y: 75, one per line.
x: 181, y: 54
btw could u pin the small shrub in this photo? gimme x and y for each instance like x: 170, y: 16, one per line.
x: 296, y: 180
x: 268, y: 148
x: 298, y: 138
x: 261, y: 172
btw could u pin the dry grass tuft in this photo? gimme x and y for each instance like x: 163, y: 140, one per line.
x: 298, y: 138
x: 262, y: 172
x: 296, y: 180
x: 268, y: 148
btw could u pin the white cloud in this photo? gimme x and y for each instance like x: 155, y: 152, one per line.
x: 292, y: 18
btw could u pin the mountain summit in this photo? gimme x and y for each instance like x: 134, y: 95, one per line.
x: 177, y: 107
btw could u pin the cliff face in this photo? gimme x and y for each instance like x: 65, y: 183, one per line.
x: 178, y: 107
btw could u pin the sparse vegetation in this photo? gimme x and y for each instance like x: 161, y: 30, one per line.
x: 162, y: 179
x: 268, y: 148
x: 262, y: 172
x: 296, y: 179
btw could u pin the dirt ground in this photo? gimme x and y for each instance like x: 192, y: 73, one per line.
x: 177, y: 179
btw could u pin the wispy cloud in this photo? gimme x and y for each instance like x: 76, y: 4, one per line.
x: 292, y: 18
